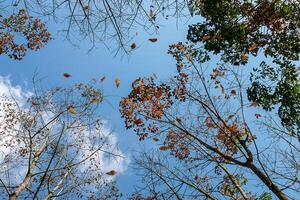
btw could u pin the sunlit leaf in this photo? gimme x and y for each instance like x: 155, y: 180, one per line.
x: 95, y: 100
x: 252, y: 48
x: 72, y: 110
x: 117, y: 82
x: 163, y: 148
x: 138, y: 121
x: 244, y: 57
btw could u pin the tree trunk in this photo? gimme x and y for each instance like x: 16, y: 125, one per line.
x: 267, y: 182
x: 13, y: 196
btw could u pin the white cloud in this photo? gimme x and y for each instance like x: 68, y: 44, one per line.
x: 8, y: 91
x: 105, y: 157
x: 17, y: 168
x: 8, y: 143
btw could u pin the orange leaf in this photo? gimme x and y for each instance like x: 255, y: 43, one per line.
x: 95, y: 100
x: 163, y: 148
x: 244, y: 56
x: 138, y: 121
x: 158, y: 94
x: 152, y: 39
x: 111, y: 173
x: 117, y: 82
x: 252, y: 48
x: 72, y: 110
x: 206, y: 37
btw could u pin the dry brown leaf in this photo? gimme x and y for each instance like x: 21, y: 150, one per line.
x: 117, y: 82
x: 163, y: 148
x: 95, y: 100
x: 233, y: 92
x: 133, y: 46
x: 209, y: 122
x: 206, y: 37
x: 230, y: 117
x: 222, y: 89
x: 111, y: 173
x: 152, y: 39
x: 244, y: 56
x: 72, y: 110
x: 66, y: 75
x: 252, y: 48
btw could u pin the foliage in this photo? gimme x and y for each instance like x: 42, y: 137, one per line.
x: 199, y: 115
x: 34, y: 34
x: 239, y: 29
x: 265, y: 196
x: 283, y: 89
x: 112, y: 22
x: 54, y: 144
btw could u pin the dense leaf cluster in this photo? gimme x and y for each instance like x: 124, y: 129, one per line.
x: 238, y: 29
x: 19, y: 32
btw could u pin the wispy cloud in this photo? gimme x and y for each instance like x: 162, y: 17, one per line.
x: 18, y: 165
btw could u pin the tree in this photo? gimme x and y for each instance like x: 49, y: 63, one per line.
x: 239, y: 29
x: 112, y: 22
x: 54, y: 145
x: 202, y: 115
x: 206, y: 124
x: 32, y: 33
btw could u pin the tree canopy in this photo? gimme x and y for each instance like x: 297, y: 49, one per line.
x: 239, y: 29
x: 30, y: 31
x: 201, y: 115
x: 224, y: 125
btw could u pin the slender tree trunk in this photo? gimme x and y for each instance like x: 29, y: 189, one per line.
x: 267, y: 182
x: 13, y: 196
x: 21, y: 187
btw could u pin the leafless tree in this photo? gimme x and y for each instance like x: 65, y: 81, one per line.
x: 54, y: 145
x: 221, y: 145
x: 107, y: 21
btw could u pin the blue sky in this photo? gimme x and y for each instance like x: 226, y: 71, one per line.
x: 59, y: 56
